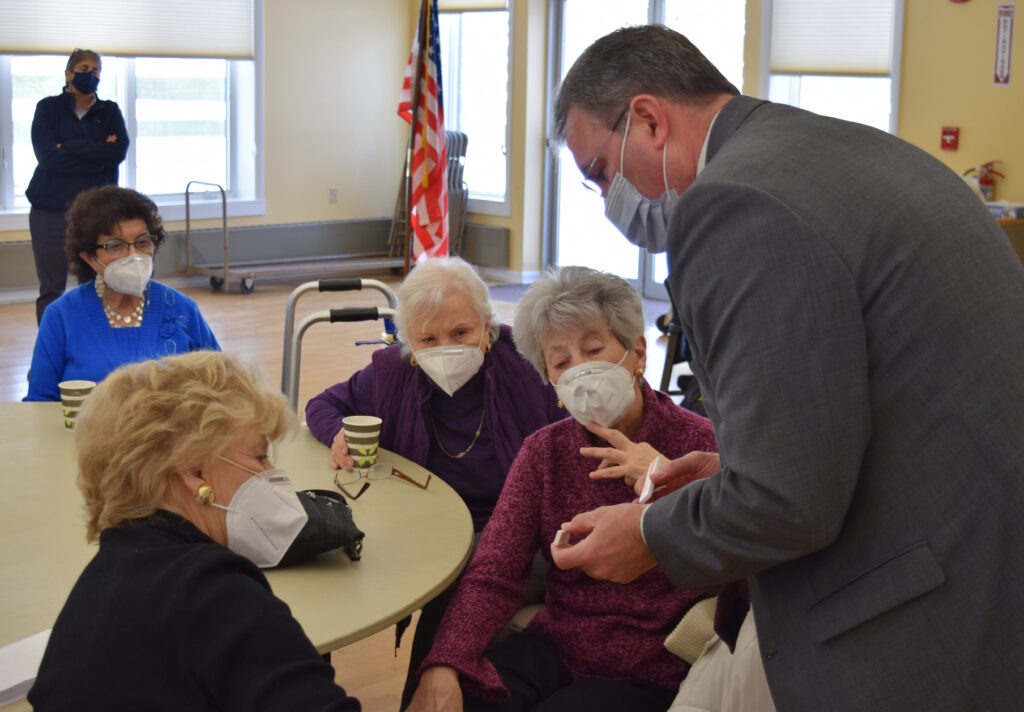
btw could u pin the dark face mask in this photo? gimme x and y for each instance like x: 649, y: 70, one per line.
x: 85, y: 82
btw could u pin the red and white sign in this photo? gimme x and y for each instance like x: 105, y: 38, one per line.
x: 950, y: 138
x: 1004, y: 43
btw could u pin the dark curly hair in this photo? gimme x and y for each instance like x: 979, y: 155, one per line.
x: 97, y: 212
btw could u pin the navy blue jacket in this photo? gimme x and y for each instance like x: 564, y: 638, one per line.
x: 85, y: 158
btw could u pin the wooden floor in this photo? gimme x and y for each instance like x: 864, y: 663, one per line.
x: 253, y: 326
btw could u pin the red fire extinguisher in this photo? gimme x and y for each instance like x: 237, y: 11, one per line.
x: 986, y: 179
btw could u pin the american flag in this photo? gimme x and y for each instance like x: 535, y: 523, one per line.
x: 428, y: 215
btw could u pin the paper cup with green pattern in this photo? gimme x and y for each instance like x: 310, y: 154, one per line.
x: 72, y: 394
x: 362, y: 435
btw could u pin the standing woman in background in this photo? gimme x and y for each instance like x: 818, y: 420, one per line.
x: 79, y: 141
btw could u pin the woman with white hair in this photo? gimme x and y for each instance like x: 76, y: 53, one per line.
x: 594, y: 645
x: 455, y: 396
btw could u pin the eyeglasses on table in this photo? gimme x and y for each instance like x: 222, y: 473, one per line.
x: 344, y: 480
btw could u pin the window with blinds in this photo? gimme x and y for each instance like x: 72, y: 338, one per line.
x: 475, y: 40
x: 183, y: 75
x: 835, y: 57
x: 136, y: 28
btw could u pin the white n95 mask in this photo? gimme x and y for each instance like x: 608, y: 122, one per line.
x: 597, y: 390
x: 129, y: 275
x: 264, y: 516
x: 450, y: 367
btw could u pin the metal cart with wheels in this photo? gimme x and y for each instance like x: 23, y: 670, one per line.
x: 321, y: 266
x: 293, y: 336
x: 222, y: 274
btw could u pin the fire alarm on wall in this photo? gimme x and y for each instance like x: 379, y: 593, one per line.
x: 950, y: 138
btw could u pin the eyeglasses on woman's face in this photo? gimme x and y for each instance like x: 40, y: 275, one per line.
x: 115, y: 248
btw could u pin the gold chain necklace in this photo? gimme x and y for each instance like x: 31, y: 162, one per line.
x: 476, y: 436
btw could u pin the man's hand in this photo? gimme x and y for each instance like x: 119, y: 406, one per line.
x: 438, y: 691
x: 675, y: 474
x: 625, y: 458
x: 613, y: 548
x: 112, y: 138
x: 340, y: 459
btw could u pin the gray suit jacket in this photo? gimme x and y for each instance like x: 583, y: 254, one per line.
x: 857, y: 324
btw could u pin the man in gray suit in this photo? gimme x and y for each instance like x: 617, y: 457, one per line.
x: 857, y: 324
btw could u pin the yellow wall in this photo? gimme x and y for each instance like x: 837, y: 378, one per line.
x: 333, y: 71
x: 948, y: 62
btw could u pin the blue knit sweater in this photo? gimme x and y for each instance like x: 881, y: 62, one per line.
x: 76, y: 341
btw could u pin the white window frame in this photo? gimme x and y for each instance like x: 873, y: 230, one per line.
x: 488, y: 206
x: 247, y: 195
x: 895, y: 59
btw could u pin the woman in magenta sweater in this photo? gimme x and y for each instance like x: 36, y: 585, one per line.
x: 594, y: 645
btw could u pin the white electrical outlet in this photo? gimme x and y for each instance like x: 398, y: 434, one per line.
x: 332, y: 194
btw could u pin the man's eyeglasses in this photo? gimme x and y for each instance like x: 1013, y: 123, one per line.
x: 589, y: 181
x: 344, y: 481
x: 119, y: 248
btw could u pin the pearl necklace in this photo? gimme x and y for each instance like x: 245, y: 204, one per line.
x: 113, y: 318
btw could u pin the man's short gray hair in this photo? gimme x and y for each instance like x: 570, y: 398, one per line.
x: 648, y: 59
x: 79, y: 54
x: 425, y: 288
x: 575, y: 298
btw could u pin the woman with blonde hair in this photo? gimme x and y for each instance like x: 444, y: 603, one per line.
x: 173, y: 612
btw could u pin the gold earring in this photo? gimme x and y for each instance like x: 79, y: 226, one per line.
x: 560, y: 403
x: 412, y: 361
x: 488, y: 349
x: 205, y: 494
x: 639, y: 371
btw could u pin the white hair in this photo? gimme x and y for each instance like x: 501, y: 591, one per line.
x: 426, y: 287
x: 573, y: 298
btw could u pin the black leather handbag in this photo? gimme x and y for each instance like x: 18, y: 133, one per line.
x: 330, y: 526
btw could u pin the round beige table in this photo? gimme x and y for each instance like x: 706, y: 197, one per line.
x: 417, y: 541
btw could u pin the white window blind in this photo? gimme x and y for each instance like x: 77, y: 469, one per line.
x: 470, y: 5
x: 832, y: 37
x: 137, y: 28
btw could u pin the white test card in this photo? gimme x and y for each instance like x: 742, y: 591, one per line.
x: 648, y: 489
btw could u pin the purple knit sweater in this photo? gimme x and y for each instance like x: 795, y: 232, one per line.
x: 601, y: 629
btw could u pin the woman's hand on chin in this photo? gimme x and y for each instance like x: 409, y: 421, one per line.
x: 624, y: 460
x: 438, y: 691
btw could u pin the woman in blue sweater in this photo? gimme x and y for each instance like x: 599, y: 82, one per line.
x: 117, y: 315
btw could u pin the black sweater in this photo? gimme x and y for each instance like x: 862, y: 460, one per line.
x: 165, y: 618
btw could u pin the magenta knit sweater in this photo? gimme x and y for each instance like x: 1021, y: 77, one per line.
x: 601, y: 629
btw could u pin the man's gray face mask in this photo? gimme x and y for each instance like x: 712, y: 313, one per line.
x: 643, y: 221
